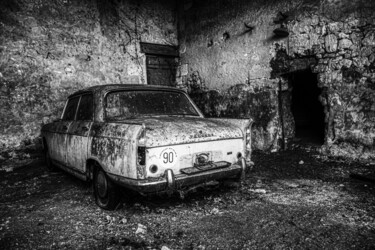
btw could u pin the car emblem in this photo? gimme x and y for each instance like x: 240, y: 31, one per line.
x: 201, y: 134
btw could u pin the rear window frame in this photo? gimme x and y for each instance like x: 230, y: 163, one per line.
x: 199, y: 113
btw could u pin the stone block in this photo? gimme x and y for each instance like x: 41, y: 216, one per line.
x: 343, y: 35
x: 347, y: 63
x: 304, y: 29
x: 318, y: 50
x: 320, y: 68
x: 315, y: 20
x: 366, y: 51
x: 347, y: 55
x: 369, y: 39
x: 345, y: 44
x: 354, y: 53
x: 330, y: 42
x: 353, y: 22
x: 300, y: 43
x: 371, y: 58
x: 314, y: 39
x: 334, y: 27
x: 365, y: 61
x: 323, y: 30
x: 356, y: 38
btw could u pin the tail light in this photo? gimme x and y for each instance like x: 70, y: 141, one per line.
x: 249, y: 163
x: 141, y: 153
x: 141, y: 156
x: 248, y: 143
x: 142, y: 136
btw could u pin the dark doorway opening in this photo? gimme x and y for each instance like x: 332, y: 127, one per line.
x: 307, y: 110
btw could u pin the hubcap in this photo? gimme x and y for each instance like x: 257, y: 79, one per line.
x: 101, y: 184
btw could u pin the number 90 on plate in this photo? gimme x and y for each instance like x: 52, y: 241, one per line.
x: 168, y: 157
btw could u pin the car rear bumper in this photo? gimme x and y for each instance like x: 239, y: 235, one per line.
x: 178, y: 182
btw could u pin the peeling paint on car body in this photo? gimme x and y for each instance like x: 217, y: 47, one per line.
x: 164, y: 131
x: 114, y: 145
x: 171, y: 143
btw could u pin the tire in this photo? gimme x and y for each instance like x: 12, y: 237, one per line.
x: 105, y: 191
x: 48, y: 161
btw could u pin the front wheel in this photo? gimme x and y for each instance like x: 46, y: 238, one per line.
x: 105, y: 192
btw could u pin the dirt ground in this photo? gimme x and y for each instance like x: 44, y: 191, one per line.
x: 294, y: 199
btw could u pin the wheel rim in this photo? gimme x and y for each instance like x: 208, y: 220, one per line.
x: 101, y: 184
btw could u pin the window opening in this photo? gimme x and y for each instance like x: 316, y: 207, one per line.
x: 85, y: 109
x: 71, y: 108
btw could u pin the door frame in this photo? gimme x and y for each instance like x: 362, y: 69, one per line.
x: 158, y: 50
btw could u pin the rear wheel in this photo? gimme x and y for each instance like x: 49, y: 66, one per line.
x: 105, y: 191
x: 48, y: 160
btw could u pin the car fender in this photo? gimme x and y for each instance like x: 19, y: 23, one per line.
x: 114, y: 146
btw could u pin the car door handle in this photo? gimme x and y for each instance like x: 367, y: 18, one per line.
x: 85, y: 129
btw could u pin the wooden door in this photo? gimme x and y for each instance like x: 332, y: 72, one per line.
x: 161, y: 70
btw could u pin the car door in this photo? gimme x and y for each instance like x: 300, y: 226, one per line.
x: 61, y: 128
x: 78, y: 135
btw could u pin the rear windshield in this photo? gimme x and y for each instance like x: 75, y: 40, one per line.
x: 140, y: 103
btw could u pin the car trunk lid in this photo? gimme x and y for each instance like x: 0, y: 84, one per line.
x: 181, y: 130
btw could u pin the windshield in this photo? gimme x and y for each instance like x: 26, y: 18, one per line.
x: 139, y: 103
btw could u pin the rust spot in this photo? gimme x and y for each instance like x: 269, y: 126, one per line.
x: 141, y: 172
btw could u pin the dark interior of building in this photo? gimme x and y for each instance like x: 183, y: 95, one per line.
x: 308, y: 112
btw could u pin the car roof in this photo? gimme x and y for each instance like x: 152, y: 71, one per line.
x: 111, y: 87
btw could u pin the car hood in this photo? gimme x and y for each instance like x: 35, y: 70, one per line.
x: 162, y: 131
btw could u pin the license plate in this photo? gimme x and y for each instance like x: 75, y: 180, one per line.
x: 206, y: 167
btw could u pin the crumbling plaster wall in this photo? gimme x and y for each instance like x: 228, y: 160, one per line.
x: 225, y: 52
x: 50, y: 48
x: 231, y: 70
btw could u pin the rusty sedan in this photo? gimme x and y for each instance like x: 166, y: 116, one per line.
x: 149, y: 139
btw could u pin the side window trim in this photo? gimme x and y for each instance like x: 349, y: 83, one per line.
x: 92, y: 105
x: 66, y: 105
x: 63, y: 113
x: 79, y: 102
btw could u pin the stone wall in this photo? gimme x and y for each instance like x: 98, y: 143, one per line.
x: 50, y: 48
x: 233, y: 64
x: 340, y: 36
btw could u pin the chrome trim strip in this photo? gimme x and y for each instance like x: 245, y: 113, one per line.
x: 168, y: 145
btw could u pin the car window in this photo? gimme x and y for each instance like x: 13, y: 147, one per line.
x: 138, y: 103
x: 85, y: 109
x: 71, y: 109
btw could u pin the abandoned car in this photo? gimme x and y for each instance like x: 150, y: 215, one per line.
x: 146, y: 138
